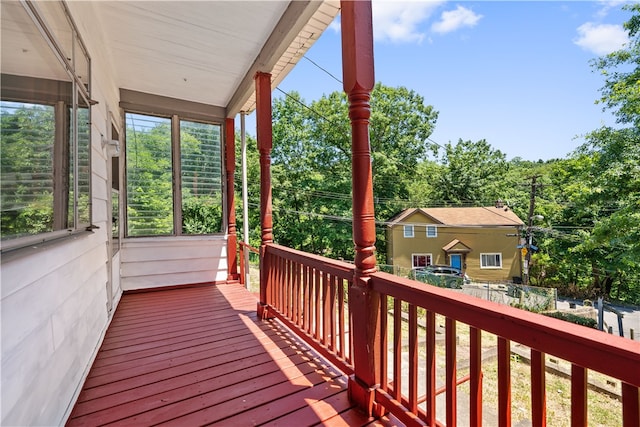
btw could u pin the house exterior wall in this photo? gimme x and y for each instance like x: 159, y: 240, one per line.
x: 478, y: 239
x: 158, y: 262
x: 54, y: 296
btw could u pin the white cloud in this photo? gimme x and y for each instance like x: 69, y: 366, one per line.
x: 455, y: 19
x: 601, y: 39
x: 607, y: 5
x: 399, y: 21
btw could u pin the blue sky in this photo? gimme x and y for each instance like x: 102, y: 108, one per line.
x: 515, y: 73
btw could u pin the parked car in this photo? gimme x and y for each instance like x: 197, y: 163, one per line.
x: 441, y: 275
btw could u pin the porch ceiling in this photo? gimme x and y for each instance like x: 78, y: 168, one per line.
x: 208, y: 51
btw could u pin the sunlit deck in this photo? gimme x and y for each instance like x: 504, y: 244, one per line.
x: 199, y: 355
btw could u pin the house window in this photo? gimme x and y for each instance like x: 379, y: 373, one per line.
x: 491, y: 260
x: 432, y: 231
x: 169, y: 197
x: 421, y: 260
x: 45, y: 174
x: 408, y: 231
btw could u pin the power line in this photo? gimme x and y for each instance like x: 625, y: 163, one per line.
x: 323, y: 69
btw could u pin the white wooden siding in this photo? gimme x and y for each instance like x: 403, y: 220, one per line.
x: 158, y: 262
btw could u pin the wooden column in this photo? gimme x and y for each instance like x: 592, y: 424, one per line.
x: 358, y: 77
x: 230, y: 166
x: 265, y: 142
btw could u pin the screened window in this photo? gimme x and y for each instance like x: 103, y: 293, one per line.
x: 27, y: 188
x: 491, y: 260
x: 408, y: 231
x: 169, y: 197
x: 45, y: 141
x: 149, y: 176
x: 201, y: 177
x: 432, y: 231
x: 421, y: 260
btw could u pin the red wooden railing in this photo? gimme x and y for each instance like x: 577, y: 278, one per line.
x: 309, y: 294
x: 586, y: 349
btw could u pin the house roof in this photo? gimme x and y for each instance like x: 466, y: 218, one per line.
x: 472, y: 216
x: 205, y: 51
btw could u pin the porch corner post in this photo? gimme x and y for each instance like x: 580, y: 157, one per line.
x: 364, y: 303
x: 230, y: 166
x: 265, y: 142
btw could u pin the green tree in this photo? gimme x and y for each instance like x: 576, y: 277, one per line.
x: 472, y: 172
x: 312, y: 164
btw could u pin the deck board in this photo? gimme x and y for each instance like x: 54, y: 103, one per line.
x: 198, y: 356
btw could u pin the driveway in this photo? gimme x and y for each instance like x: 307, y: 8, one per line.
x: 630, y: 320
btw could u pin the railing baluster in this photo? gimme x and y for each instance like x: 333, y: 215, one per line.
x: 538, y: 390
x: 287, y: 288
x: 341, y: 318
x: 281, y: 283
x: 451, y: 371
x: 350, y: 340
x: 431, y: 368
x: 413, y: 359
x: 504, y: 382
x: 325, y: 308
x: 304, y: 294
x: 397, y: 349
x: 312, y: 298
x: 475, y: 372
x: 318, y: 285
x: 578, y: 396
x: 309, y: 300
x: 630, y: 406
x: 298, y: 292
x: 332, y: 311
x: 384, y: 342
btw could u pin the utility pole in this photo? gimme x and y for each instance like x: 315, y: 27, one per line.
x: 529, y: 235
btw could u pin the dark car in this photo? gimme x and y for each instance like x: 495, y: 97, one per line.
x: 442, y: 275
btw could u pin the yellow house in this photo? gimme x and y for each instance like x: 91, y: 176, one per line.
x: 482, y: 241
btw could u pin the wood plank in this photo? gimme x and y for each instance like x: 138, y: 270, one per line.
x: 313, y: 404
x: 222, y: 403
x: 316, y: 411
x: 351, y: 417
x: 214, y: 388
x: 197, y: 355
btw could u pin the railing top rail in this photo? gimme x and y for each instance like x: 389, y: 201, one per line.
x: 340, y: 269
x: 589, y: 348
x: 248, y: 246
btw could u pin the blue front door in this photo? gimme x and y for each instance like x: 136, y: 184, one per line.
x: 456, y: 261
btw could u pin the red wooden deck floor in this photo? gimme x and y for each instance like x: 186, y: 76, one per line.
x: 197, y: 356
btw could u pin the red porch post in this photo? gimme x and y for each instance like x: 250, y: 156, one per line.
x: 358, y: 77
x: 265, y: 137
x: 232, y: 239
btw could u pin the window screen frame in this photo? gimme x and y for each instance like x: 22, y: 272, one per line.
x: 67, y: 98
x: 176, y: 110
x: 490, y: 267
x: 428, y: 257
x: 408, y: 231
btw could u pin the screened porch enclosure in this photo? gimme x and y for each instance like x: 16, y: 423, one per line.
x: 151, y: 325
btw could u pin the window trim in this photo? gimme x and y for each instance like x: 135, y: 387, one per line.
x: 431, y: 227
x: 428, y: 255
x: 490, y: 267
x: 186, y: 111
x: 405, y: 230
x: 43, y: 91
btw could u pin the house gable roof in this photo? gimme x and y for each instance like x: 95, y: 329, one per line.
x: 456, y: 246
x: 472, y: 216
